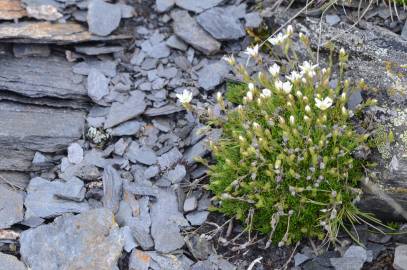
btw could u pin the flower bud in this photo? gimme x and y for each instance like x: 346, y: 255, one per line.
x: 307, y: 109
x: 292, y: 120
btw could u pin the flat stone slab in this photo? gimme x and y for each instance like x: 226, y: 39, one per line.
x: 40, y: 77
x: 90, y: 240
x: 187, y: 29
x: 11, y: 9
x: 47, y: 199
x: 11, y: 207
x: 39, y: 128
x: 46, y: 32
x: 8, y: 262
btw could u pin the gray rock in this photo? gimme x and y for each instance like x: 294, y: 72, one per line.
x: 24, y: 50
x: 164, y: 110
x: 354, y: 100
x: 186, y: 28
x: 127, y: 10
x: 300, y: 258
x: 11, y: 207
x: 253, y: 19
x: 142, y: 154
x: 139, y: 260
x: 120, y: 146
x: 98, y: 85
x: 112, y: 188
x: 197, y: 218
x: 141, y: 189
x: 169, y: 159
x: 165, y: 214
x: 121, y: 112
x: 199, y: 246
x: 8, y: 262
x: 164, y: 5
x: 103, y: 18
x: 212, y: 75
x: 190, y: 204
x: 127, y: 128
x: 129, y: 242
x: 176, y: 175
x: 90, y: 240
x: 49, y: 199
x: 55, y: 80
x: 221, y: 24
x: 41, y: 160
x: 176, y: 43
x: 107, y: 67
x: 75, y: 153
x: 162, y: 124
x: 201, y: 148
x: 16, y: 179
x: 332, y: 19
x: 404, y: 31
x: 353, y: 259
x: 151, y: 172
x: 97, y: 50
x: 135, y: 214
x: 400, y: 258
x: 159, y: 50
x: 198, y: 6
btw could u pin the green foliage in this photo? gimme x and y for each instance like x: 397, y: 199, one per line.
x: 235, y: 92
x: 284, y: 164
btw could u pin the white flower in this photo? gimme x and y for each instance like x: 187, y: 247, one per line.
x: 249, y: 96
x: 342, y: 51
x: 278, y: 85
x: 292, y: 120
x: 323, y: 104
x: 287, y: 86
x: 252, y: 51
x: 294, y: 76
x: 278, y: 40
x: 251, y: 86
x: 230, y: 59
x: 290, y: 30
x: 307, y: 108
x: 308, y: 69
x: 266, y: 92
x: 185, y: 97
x: 274, y: 70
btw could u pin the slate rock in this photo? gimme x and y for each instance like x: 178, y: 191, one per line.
x: 49, y: 199
x: 300, y: 258
x: 103, y: 18
x: 97, y: 50
x: 221, y: 24
x: 400, y: 258
x: 176, y: 175
x: 187, y: 29
x: 332, y: 19
x: 75, y: 153
x: 175, y: 43
x: 164, y: 214
x: 404, y: 31
x: 169, y: 159
x: 164, y: 110
x: 127, y: 128
x: 144, y: 260
x: 135, y: 214
x: 112, y: 188
x: 158, y: 50
x: 11, y: 207
x: 8, y: 262
x: 200, y: 149
x: 129, y: 242
x: 197, y: 218
x: 353, y: 259
x: 98, y: 85
x: 190, y: 204
x: 212, y: 75
x: 54, y: 129
x: 121, y: 112
x: 107, y: 67
x: 354, y: 100
x: 164, y: 5
x: 142, y: 154
x: 90, y: 240
x: 253, y: 19
x: 198, y: 6
x: 139, y: 260
x: 37, y: 50
x: 199, y: 246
